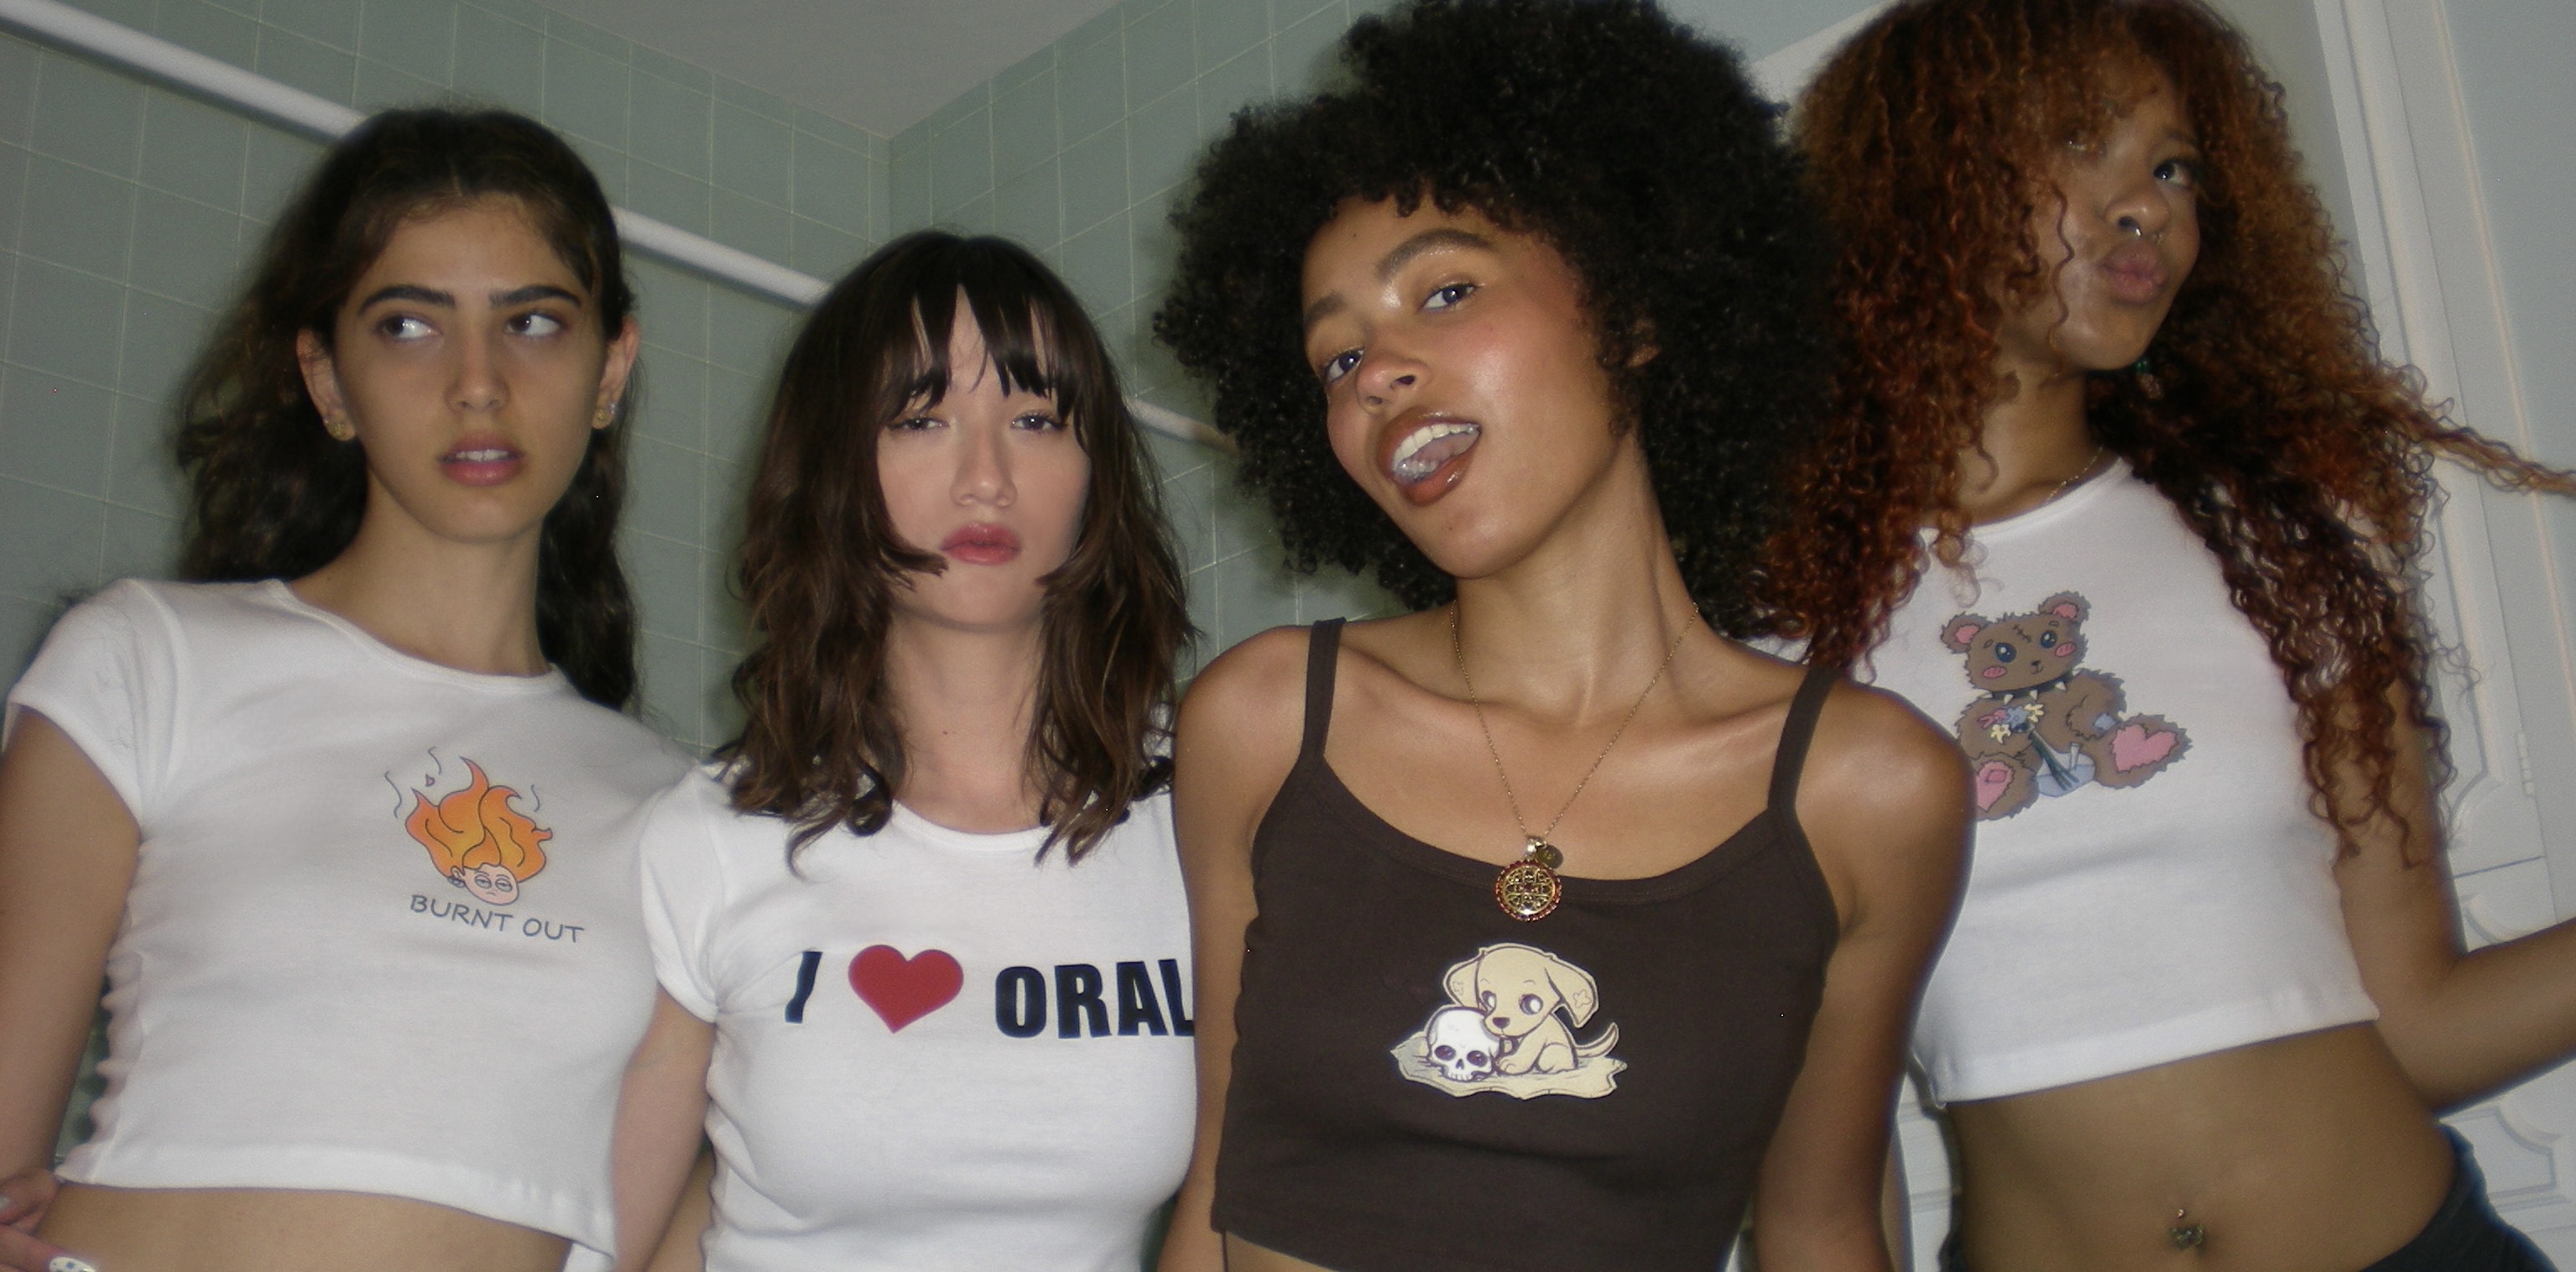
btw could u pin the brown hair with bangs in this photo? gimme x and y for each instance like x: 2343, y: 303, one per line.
x: 821, y: 743
x: 2300, y: 459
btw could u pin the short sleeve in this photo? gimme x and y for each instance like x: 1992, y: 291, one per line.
x: 107, y: 676
x: 684, y: 892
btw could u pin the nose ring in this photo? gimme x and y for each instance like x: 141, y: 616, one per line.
x: 2136, y: 230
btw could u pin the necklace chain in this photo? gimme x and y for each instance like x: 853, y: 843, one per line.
x: 2099, y: 448
x: 1458, y: 652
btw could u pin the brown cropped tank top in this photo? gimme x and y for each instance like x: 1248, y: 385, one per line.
x: 1422, y: 1082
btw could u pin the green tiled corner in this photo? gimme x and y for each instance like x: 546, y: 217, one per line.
x: 1091, y: 87
x: 76, y: 217
x: 961, y: 162
x: 1162, y: 141
x: 330, y: 22
x: 1094, y: 176
x: 218, y: 31
x: 1161, y: 48
x: 315, y: 67
x: 1026, y: 208
x: 185, y: 250
x: 53, y: 539
x: 54, y: 433
x: 669, y: 123
x: 585, y: 92
x: 499, y: 61
x: 831, y: 184
x: 1226, y: 28
x: 87, y: 116
x: 750, y: 224
x: 753, y: 153
x: 194, y: 150
x: 19, y: 61
x: 416, y: 37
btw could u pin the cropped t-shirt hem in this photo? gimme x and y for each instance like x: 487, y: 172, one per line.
x: 2282, y: 1015
x: 305, y: 1168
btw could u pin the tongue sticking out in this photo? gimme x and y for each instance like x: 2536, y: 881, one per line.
x: 1427, y: 449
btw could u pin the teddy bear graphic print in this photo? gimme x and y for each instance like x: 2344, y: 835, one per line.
x: 1510, y: 1026
x: 2042, y: 725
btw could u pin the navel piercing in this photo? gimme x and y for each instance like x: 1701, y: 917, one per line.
x: 2186, y: 1236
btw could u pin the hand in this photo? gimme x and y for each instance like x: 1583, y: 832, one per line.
x: 24, y: 1198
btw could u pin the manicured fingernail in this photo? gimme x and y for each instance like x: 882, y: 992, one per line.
x: 66, y: 1263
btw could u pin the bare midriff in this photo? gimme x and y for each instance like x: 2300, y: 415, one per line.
x: 271, y: 1230
x: 2304, y: 1154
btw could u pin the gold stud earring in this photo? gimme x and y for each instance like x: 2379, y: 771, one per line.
x: 340, y: 429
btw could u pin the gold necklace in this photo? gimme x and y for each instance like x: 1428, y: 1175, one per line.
x: 1528, y: 889
x: 2074, y: 477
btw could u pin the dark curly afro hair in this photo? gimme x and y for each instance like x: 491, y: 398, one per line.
x: 1637, y: 150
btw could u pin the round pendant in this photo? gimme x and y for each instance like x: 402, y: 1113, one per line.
x: 1527, y: 891
x: 1542, y: 852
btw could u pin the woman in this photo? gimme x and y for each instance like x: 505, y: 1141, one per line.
x: 1476, y: 991
x: 408, y: 635
x: 920, y: 930
x: 2116, y: 487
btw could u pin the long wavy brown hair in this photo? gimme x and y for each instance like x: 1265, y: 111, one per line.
x: 822, y: 743
x: 271, y: 495
x: 2264, y: 413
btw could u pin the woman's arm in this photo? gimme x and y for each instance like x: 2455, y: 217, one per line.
x: 1884, y: 800
x: 2461, y: 1025
x: 1237, y: 738
x: 661, y: 1115
x: 67, y: 853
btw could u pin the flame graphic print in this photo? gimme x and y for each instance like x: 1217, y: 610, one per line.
x: 477, y: 840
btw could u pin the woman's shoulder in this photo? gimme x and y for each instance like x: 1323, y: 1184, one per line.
x: 1254, y: 687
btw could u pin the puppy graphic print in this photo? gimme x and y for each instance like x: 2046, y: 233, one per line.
x: 2040, y: 726
x: 1510, y: 1026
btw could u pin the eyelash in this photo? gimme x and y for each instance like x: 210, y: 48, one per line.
x: 2186, y: 171
x: 1341, y: 364
x: 1035, y: 422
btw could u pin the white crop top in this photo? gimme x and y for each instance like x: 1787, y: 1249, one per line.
x: 933, y: 1049
x: 383, y: 934
x: 2148, y: 883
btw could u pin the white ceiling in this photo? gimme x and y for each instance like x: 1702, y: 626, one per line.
x: 881, y: 64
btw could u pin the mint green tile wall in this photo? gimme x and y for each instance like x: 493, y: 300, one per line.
x: 127, y: 213
x: 1079, y: 151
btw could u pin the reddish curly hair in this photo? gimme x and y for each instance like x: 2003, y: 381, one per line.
x: 2301, y: 460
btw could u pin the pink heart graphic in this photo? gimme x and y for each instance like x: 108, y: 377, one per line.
x: 2133, y: 747
x: 903, y: 990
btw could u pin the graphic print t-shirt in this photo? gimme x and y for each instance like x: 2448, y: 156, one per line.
x: 2148, y: 883
x: 934, y: 1049
x: 383, y: 934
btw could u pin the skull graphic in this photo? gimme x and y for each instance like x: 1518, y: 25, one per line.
x: 1458, y: 1042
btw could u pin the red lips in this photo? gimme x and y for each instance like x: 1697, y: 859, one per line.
x: 981, y: 543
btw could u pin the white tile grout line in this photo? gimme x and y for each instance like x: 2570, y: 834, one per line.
x: 62, y: 26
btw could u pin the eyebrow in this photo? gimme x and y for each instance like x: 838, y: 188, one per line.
x: 1433, y: 240
x: 447, y: 300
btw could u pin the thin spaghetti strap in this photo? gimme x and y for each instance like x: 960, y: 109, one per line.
x: 1795, y: 734
x: 1323, y: 649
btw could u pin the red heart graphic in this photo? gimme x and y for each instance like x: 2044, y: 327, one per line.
x: 903, y: 990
